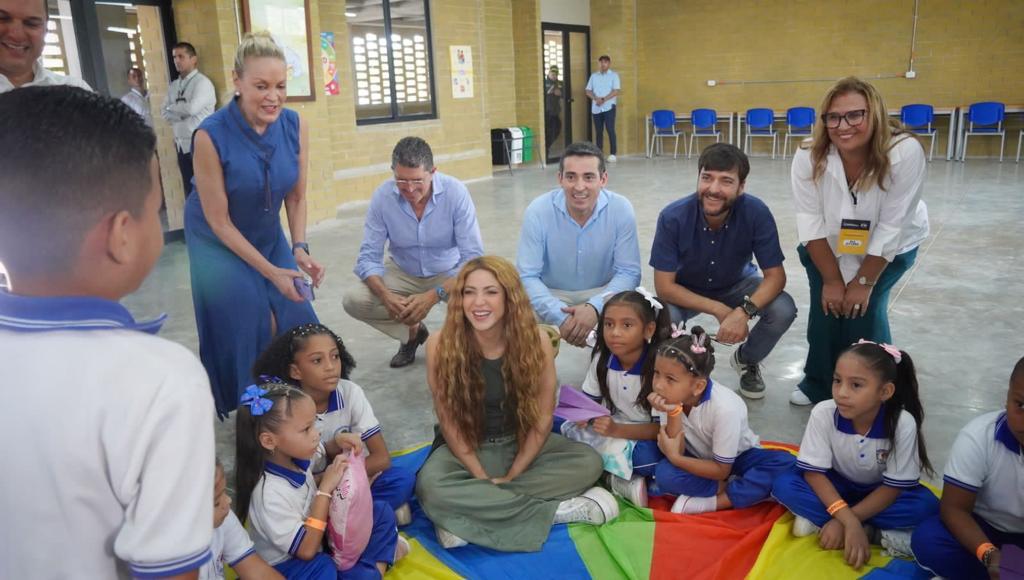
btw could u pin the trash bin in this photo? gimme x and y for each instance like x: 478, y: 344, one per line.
x: 527, y: 144
x: 499, y: 156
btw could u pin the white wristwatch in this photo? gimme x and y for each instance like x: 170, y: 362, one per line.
x: 863, y: 281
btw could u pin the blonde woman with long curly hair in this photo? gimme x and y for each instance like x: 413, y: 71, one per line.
x: 860, y: 218
x: 498, y: 477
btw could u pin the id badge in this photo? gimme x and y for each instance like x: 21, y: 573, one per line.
x: 853, y: 237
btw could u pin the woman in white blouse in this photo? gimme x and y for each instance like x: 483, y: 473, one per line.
x: 857, y: 185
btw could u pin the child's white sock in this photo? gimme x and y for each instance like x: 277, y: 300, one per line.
x: 687, y: 504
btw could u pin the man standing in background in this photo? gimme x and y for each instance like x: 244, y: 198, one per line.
x: 190, y: 99
x: 603, y: 90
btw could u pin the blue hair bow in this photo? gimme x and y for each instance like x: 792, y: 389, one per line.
x: 253, y: 397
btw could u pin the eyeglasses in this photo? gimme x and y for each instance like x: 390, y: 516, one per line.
x: 409, y: 182
x: 853, y: 118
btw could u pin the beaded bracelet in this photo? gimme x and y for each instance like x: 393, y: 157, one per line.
x: 983, y: 552
x: 836, y: 506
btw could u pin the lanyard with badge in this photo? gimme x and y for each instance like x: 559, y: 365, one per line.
x: 181, y: 91
x: 853, y: 233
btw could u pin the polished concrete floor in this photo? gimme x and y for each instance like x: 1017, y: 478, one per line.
x: 958, y: 312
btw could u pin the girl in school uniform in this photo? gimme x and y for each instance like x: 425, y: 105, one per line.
x: 861, y: 457
x: 276, y: 442
x: 619, y: 378
x: 982, y: 507
x: 231, y: 544
x: 315, y: 359
x: 713, y: 461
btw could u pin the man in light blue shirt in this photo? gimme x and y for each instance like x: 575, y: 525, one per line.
x: 603, y: 90
x: 428, y: 221
x: 578, y: 245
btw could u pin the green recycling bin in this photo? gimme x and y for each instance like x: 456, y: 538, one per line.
x: 527, y: 144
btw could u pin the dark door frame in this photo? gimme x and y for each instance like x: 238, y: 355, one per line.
x: 90, y: 49
x: 567, y: 99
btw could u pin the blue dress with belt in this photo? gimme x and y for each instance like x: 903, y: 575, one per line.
x: 233, y: 302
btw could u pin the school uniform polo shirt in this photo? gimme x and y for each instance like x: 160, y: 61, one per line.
x: 987, y: 460
x: 831, y: 442
x: 110, y: 452
x: 231, y: 544
x: 348, y: 411
x: 717, y: 427
x: 623, y: 388
x: 278, y: 510
x: 707, y: 260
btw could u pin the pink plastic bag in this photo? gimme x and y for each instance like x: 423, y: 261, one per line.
x: 350, y: 521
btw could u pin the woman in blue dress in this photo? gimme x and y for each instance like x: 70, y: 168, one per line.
x: 250, y: 157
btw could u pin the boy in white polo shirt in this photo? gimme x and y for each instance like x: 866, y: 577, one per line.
x: 982, y: 507
x: 108, y: 428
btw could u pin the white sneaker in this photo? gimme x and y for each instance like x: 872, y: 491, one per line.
x: 686, y: 504
x: 798, y: 398
x: 633, y: 490
x: 447, y: 539
x: 804, y: 527
x: 611, y: 159
x: 402, y: 549
x: 403, y: 515
x: 596, y: 506
x: 897, y: 542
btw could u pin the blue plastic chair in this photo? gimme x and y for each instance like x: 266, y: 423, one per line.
x: 760, y: 123
x: 799, y: 124
x: 664, y: 122
x: 986, y: 120
x: 918, y: 120
x: 705, y: 124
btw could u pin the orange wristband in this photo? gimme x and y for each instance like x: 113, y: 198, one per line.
x: 675, y: 412
x: 836, y: 506
x: 980, y: 552
x: 316, y: 524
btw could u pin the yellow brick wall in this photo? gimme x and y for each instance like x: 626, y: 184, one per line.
x: 347, y: 162
x: 499, y: 63
x: 529, y: 73
x: 613, y: 32
x: 965, y: 52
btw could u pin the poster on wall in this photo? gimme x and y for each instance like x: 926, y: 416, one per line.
x: 329, y: 60
x: 462, y: 72
x: 288, y: 22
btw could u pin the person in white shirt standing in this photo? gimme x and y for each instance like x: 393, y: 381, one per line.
x: 603, y: 91
x: 857, y: 184
x: 190, y: 99
x: 137, y: 98
x: 22, y: 38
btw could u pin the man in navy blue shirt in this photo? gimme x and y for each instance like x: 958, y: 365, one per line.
x: 702, y: 255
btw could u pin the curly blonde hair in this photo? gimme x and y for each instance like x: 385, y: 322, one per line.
x: 883, y: 129
x: 460, y: 381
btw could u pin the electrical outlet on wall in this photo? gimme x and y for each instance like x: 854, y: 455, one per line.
x: 910, y: 74
x: 712, y: 83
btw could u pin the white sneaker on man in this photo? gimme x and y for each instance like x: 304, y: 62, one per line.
x: 612, y: 159
x: 447, y: 539
x: 804, y: 527
x: 633, y: 489
x: 596, y: 506
x: 798, y: 398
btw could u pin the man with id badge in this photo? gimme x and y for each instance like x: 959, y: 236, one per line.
x: 857, y: 184
x: 190, y: 99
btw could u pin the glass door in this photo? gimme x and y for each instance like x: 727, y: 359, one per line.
x: 566, y: 51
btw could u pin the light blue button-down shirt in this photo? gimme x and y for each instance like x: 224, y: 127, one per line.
x: 602, y: 84
x: 556, y: 252
x: 442, y: 241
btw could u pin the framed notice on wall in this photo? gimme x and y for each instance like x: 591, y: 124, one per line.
x: 462, y: 72
x: 288, y: 22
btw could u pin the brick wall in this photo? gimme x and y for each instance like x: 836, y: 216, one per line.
x: 347, y: 162
x: 529, y: 74
x: 965, y: 52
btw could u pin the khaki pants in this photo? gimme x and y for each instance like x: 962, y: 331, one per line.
x: 362, y: 304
